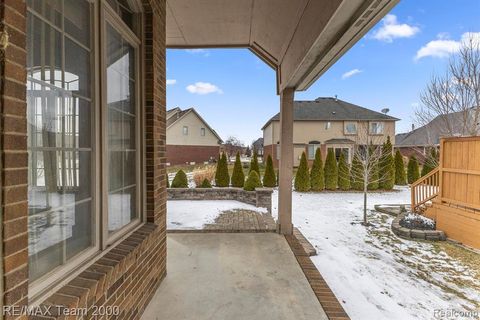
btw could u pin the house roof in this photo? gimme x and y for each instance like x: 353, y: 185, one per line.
x: 340, y: 141
x: 176, y: 114
x: 257, y: 142
x: 331, y: 109
x: 431, y: 133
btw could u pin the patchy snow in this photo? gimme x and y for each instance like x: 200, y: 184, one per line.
x: 193, y: 214
x: 414, y: 217
x: 373, y: 273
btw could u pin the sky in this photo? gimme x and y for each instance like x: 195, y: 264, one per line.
x: 389, y: 67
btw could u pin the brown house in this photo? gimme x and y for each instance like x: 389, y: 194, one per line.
x: 328, y: 123
x: 189, y: 138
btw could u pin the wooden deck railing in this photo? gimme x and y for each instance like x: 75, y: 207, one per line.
x: 425, y: 189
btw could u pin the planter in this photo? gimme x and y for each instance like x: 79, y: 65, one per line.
x: 416, y: 234
x: 261, y: 197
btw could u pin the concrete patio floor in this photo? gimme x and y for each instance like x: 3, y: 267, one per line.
x: 232, y: 276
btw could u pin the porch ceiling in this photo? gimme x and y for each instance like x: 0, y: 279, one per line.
x: 300, y: 39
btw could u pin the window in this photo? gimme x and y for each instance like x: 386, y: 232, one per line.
x: 376, y: 127
x: 312, y: 148
x: 328, y: 125
x: 202, y: 132
x: 339, y: 151
x: 185, y: 130
x: 350, y: 128
x: 64, y: 177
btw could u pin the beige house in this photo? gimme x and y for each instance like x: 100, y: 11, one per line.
x: 189, y: 138
x: 328, y: 123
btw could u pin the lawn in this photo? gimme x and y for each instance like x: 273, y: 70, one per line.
x: 375, y: 274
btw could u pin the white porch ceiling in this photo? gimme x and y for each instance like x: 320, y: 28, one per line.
x: 300, y: 39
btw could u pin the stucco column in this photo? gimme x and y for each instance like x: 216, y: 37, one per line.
x: 285, y: 225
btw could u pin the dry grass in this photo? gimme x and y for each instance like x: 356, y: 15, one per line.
x: 200, y: 174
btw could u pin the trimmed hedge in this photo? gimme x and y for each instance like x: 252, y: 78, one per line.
x: 180, y: 180
x: 317, y: 178
x: 253, y: 181
x: 238, y: 176
x: 413, y: 173
x: 343, y: 173
x: 222, y: 178
x: 254, y: 164
x: 400, y: 178
x: 302, y: 178
x: 269, y: 178
x: 356, y: 178
x: 205, y: 184
x: 168, y: 180
x: 331, y: 171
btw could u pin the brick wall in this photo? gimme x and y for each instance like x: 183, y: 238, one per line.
x: 262, y: 197
x: 129, y: 274
x: 177, y: 154
x: 13, y: 144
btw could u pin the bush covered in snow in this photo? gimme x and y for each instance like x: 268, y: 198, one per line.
x: 416, y: 221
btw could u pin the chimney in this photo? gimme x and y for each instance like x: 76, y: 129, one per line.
x: 336, y: 98
x: 413, y: 126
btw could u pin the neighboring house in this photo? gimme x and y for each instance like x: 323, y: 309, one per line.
x: 189, y: 138
x: 328, y: 123
x: 418, y: 141
x: 257, y: 146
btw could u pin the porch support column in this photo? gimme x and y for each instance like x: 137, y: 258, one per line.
x: 285, y: 225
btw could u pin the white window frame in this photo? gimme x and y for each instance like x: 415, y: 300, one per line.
x: 328, y: 125
x: 379, y: 124
x: 345, y: 126
x: 185, y: 130
x: 315, y: 146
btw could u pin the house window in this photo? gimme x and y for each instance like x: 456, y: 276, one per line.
x: 350, y: 128
x: 328, y: 125
x: 202, y: 132
x: 376, y: 127
x: 185, y: 130
x: 339, y: 151
x: 312, y: 148
x: 64, y: 178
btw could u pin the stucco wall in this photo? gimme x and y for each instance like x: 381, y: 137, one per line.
x: 175, y: 134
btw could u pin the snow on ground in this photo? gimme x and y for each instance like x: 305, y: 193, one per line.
x: 191, y: 214
x: 372, y: 272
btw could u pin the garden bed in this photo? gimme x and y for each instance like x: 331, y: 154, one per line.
x: 411, y: 226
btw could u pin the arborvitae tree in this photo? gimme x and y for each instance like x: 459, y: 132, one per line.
x: 205, y: 184
x: 412, y: 170
x: 317, y: 178
x: 254, y: 164
x: 278, y: 176
x: 168, y: 181
x: 374, y: 182
x: 331, y: 171
x: 222, y: 178
x: 356, y: 182
x: 253, y: 181
x: 400, y: 178
x: 238, y: 177
x: 269, y: 178
x: 302, y: 178
x: 180, y: 180
x: 430, y: 163
x: 343, y: 173
x: 386, y: 170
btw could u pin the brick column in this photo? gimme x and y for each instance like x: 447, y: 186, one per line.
x: 285, y: 225
x: 13, y: 151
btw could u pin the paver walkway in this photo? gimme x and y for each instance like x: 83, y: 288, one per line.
x: 240, y: 276
x: 243, y: 221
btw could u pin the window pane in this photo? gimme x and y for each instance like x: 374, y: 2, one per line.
x: 60, y: 168
x: 121, y: 123
x: 51, y: 10
x: 77, y: 20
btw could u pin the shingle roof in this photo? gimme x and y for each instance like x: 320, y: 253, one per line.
x: 339, y: 141
x: 179, y: 114
x: 431, y: 133
x: 331, y: 109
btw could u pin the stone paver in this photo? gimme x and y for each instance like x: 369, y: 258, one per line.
x: 240, y: 220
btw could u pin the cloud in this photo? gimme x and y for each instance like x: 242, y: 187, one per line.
x: 351, y: 73
x: 171, y: 81
x: 204, y: 52
x: 391, y: 29
x: 203, y: 88
x: 443, y: 47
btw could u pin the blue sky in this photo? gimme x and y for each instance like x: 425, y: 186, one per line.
x: 236, y: 93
